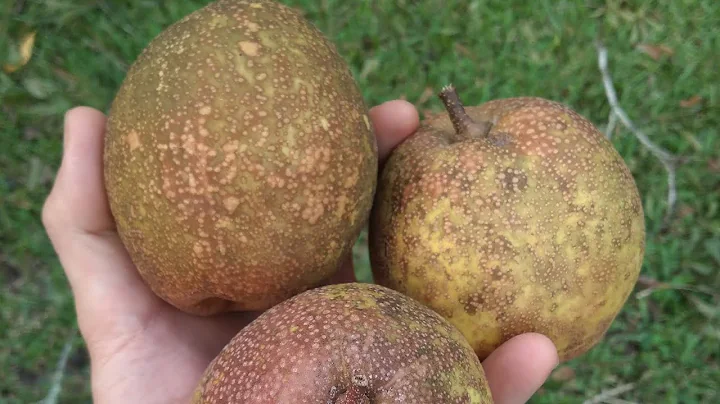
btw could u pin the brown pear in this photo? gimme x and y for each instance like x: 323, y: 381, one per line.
x: 240, y: 161
x: 346, y: 344
x: 514, y: 216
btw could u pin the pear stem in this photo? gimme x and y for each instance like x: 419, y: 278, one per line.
x: 465, y: 126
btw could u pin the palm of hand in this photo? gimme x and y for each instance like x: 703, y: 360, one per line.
x: 161, y: 353
x: 144, y: 350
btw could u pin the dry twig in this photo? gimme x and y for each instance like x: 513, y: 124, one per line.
x: 668, y: 160
x: 651, y: 285
x: 56, y: 386
x: 612, y: 122
x: 618, y: 401
x: 607, y: 395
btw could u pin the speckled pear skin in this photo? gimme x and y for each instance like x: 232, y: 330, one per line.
x: 240, y: 162
x: 310, y: 348
x: 536, y: 227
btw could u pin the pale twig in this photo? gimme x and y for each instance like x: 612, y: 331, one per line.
x: 609, y: 394
x: 612, y: 122
x: 56, y: 386
x: 653, y: 285
x: 618, y: 401
x: 668, y: 160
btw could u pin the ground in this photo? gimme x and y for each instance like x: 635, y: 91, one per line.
x: 664, y: 346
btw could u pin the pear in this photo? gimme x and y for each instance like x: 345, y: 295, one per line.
x: 352, y: 343
x: 240, y: 162
x: 514, y: 216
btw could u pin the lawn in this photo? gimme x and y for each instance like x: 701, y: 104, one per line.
x: 663, y: 56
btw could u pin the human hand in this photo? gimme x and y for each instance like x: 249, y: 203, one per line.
x: 143, y: 349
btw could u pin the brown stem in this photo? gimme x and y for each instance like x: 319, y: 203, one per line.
x: 465, y: 127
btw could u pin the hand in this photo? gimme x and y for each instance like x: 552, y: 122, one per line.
x: 144, y: 350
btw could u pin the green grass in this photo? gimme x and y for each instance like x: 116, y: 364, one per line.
x: 667, y: 343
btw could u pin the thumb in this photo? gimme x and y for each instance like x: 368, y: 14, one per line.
x: 77, y: 201
x: 519, y: 367
x: 77, y: 218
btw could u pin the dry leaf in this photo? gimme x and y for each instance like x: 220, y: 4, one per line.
x: 714, y: 165
x: 38, y: 87
x: 563, y: 374
x: 31, y: 134
x: 463, y: 50
x: 26, y: 48
x: 691, y: 102
x: 692, y: 140
x: 655, y: 51
x: 685, y: 210
x: 370, y: 66
x: 425, y: 96
x: 65, y: 76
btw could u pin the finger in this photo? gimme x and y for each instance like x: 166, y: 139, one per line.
x: 519, y: 367
x: 393, y: 121
x: 79, y: 193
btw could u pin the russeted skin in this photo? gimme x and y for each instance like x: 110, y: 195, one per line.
x: 240, y: 161
x: 313, y: 347
x: 535, y: 227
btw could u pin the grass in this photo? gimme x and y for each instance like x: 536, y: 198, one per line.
x: 665, y: 342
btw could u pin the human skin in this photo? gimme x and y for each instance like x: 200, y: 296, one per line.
x: 144, y: 350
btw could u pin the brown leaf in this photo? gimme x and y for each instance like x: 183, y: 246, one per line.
x: 26, y: 48
x: 685, y: 210
x: 714, y: 165
x: 463, y: 50
x: 655, y: 51
x: 31, y: 133
x: 692, y: 140
x: 20, y: 201
x: 425, y: 96
x: 563, y: 374
x: 691, y: 102
x: 65, y: 76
